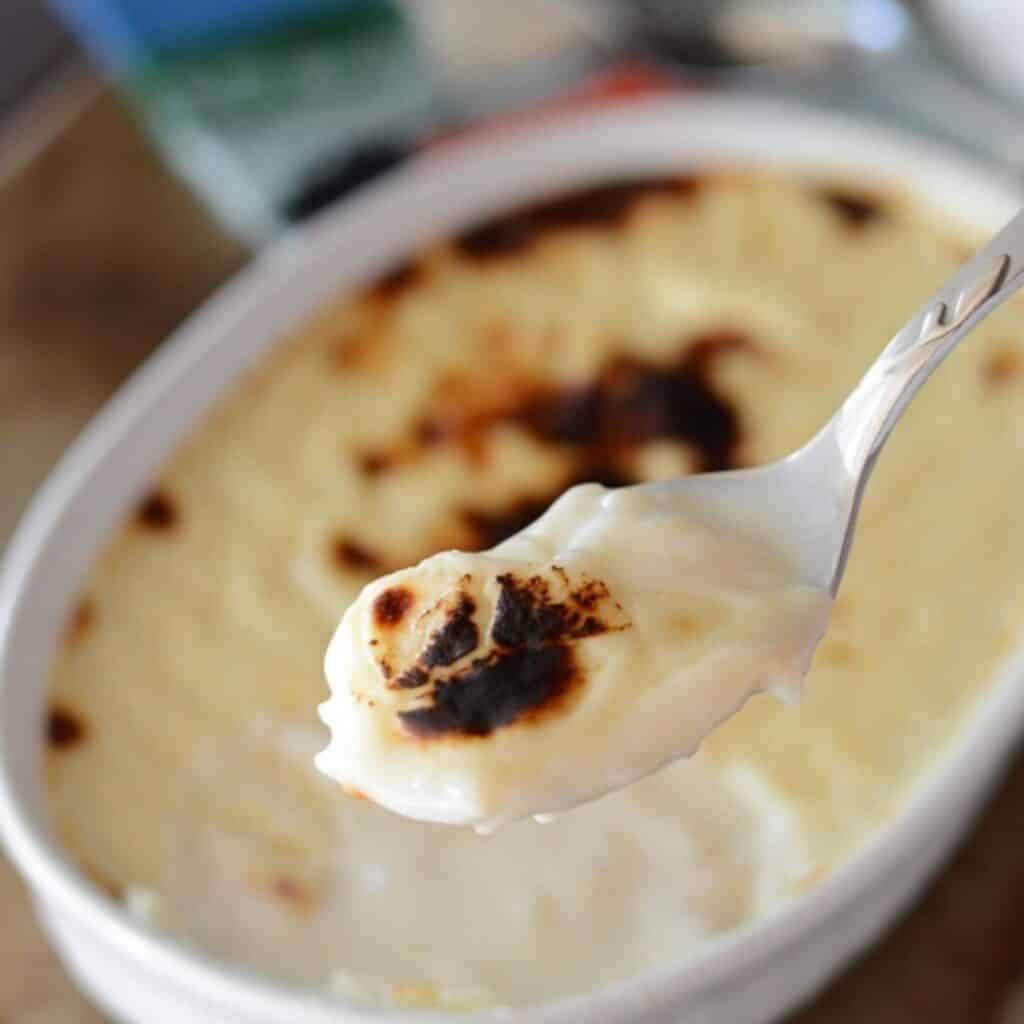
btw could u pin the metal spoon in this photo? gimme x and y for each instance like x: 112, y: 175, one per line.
x: 806, y: 504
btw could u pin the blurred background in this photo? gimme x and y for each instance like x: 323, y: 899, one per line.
x: 149, y: 148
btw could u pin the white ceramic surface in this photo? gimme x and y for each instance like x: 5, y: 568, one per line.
x: 748, y: 977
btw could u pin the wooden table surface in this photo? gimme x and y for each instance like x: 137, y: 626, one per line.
x: 101, y: 253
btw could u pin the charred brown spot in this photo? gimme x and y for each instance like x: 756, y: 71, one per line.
x: 103, y: 882
x: 523, y: 616
x: 412, y: 678
x: 494, y: 692
x: 80, y: 621
x: 392, y: 284
x: 1003, y: 367
x: 856, y: 209
x: 290, y: 891
x: 590, y: 627
x: 455, y: 639
x: 686, y: 185
x: 349, y: 554
x: 532, y: 670
x: 629, y: 403
x: 375, y: 463
x: 633, y: 402
x: 526, y: 615
x: 428, y: 433
x: 591, y: 594
x: 349, y: 351
x: 64, y: 728
x: 390, y: 606
x: 157, y: 511
x: 602, y: 206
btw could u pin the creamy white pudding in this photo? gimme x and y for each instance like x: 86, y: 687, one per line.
x: 590, y: 649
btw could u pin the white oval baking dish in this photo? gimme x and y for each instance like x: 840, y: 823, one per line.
x: 748, y: 977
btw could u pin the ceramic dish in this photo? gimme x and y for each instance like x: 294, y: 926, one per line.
x: 749, y: 976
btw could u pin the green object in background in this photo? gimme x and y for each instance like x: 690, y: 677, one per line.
x: 267, y: 108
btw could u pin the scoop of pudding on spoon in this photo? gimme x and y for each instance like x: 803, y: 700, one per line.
x: 613, y: 634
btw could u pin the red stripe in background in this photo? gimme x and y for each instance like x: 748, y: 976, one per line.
x: 626, y: 83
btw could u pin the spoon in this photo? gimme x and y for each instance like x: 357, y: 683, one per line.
x: 806, y: 504
x: 612, y: 635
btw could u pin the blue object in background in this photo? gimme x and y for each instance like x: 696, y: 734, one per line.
x: 270, y: 108
x: 122, y: 33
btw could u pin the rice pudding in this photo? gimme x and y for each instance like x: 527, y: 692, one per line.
x: 632, y: 332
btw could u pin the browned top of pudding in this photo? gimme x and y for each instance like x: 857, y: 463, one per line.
x: 629, y: 332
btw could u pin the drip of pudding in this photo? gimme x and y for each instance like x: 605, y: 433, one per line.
x: 603, y: 641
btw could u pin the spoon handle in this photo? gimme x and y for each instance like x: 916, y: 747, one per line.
x: 987, y: 280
